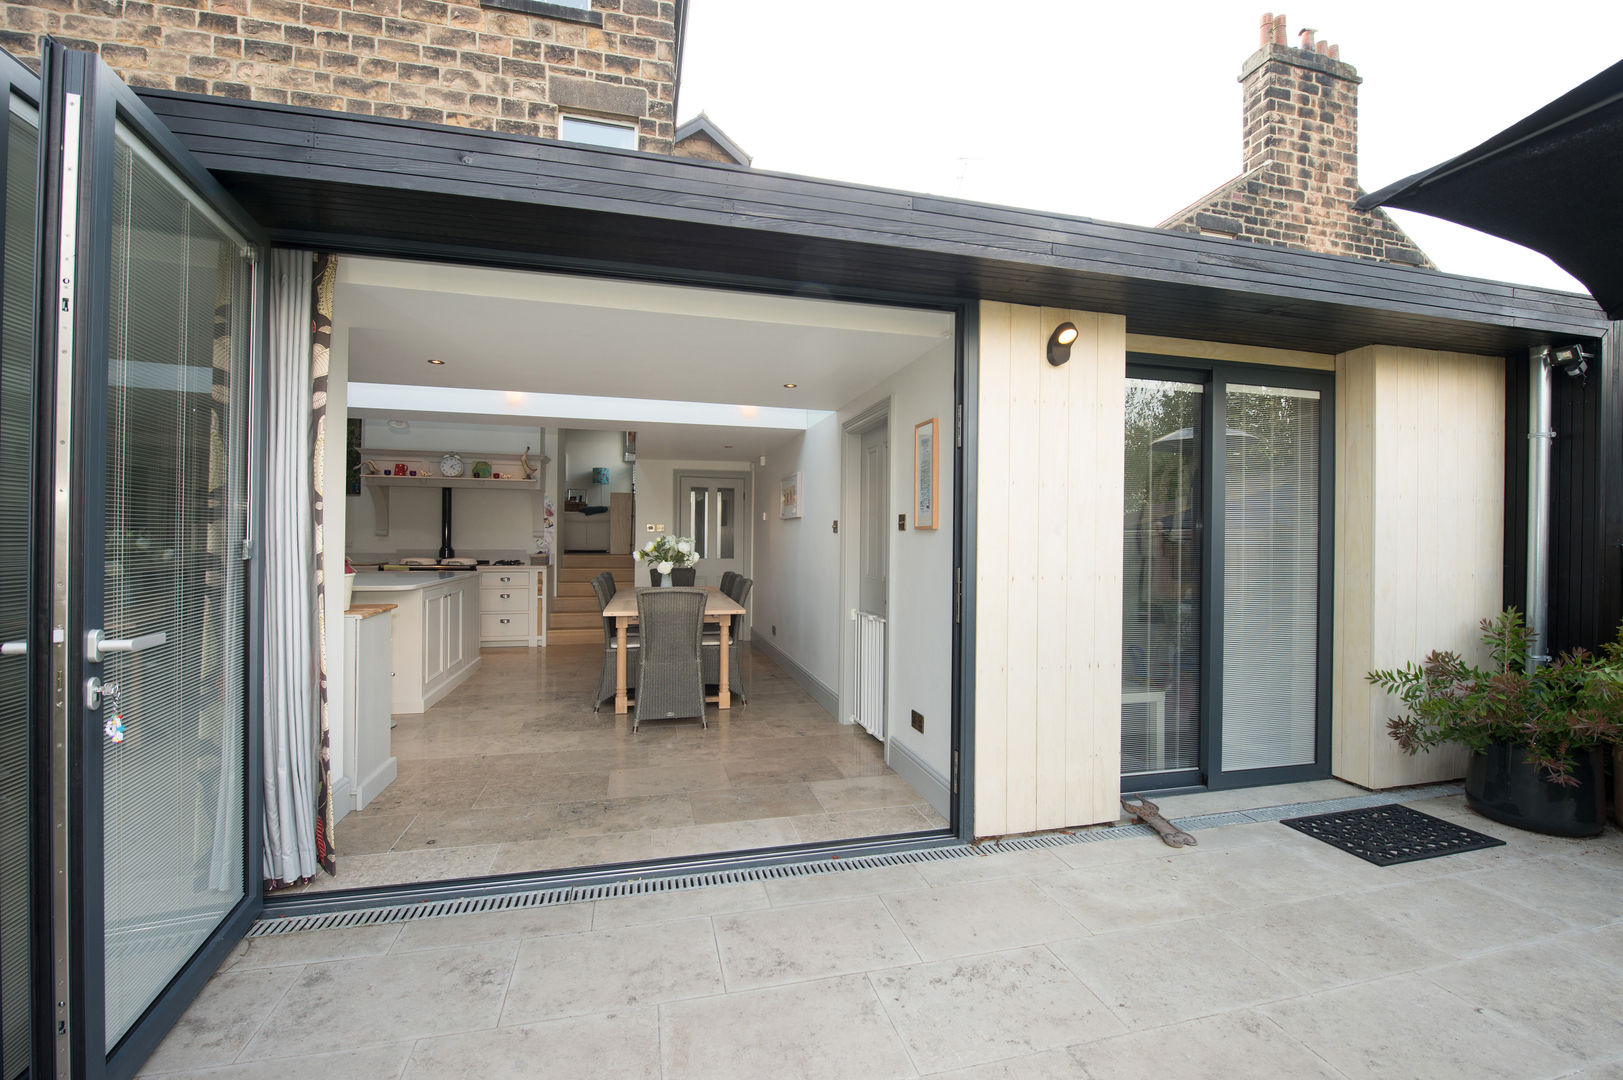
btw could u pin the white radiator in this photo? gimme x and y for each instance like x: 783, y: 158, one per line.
x: 870, y: 670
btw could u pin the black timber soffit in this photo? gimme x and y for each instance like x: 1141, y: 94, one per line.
x: 368, y: 184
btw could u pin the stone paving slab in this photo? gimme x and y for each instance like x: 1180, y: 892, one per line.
x: 1258, y: 953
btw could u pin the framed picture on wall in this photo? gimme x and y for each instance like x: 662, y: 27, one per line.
x: 925, y: 481
x: 789, y: 504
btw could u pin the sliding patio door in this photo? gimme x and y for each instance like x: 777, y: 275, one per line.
x: 1226, y: 576
x: 151, y: 285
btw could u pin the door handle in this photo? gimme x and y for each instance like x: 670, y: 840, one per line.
x: 14, y: 648
x: 97, y: 646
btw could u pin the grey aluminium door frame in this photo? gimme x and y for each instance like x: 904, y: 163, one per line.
x: 1214, y: 407
x: 82, y: 103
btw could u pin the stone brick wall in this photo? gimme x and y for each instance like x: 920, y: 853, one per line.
x: 442, y: 61
x: 1300, y: 153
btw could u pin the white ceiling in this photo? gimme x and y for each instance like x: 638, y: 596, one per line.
x: 531, y: 333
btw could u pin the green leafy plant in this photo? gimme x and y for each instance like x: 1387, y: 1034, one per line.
x: 1559, y: 711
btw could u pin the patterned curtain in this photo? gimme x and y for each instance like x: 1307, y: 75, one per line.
x: 326, y: 277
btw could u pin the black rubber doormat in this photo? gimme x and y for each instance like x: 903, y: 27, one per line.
x: 1391, y: 834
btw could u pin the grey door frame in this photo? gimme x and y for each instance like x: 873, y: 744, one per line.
x: 851, y: 432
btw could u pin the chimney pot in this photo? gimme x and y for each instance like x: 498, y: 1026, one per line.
x: 1322, y: 48
x: 1279, y: 29
x: 1335, y: 52
x: 1306, y: 36
x: 1267, y: 29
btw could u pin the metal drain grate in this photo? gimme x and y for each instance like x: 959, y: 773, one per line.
x: 644, y: 885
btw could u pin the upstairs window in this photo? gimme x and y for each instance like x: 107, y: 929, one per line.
x: 597, y: 132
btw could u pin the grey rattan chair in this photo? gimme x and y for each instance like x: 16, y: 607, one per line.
x: 603, y: 586
x: 727, y: 580
x: 670, y: 680
x: 712, y: 644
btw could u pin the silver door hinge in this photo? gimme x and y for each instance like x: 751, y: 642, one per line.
x: 958, y: 426
x: 957, y: 594
x: 247, y: 551
x: 955, y: 772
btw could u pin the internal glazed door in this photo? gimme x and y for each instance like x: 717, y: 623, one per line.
x: 711, y: 510
x: 149, y: 290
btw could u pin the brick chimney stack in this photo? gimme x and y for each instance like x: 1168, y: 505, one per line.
x: 1300, y: 156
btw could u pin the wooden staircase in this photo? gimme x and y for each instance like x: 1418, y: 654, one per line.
x: 574, y: 618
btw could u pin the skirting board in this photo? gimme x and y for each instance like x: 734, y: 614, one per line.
x: 804, y: 679
x: 935, y: 789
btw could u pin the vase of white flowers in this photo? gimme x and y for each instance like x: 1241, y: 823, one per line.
x: 670, y: 560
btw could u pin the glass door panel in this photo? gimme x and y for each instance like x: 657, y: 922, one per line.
x: 1270, y: 578
x: 17, y: 297
x: 711, y: 513
x: 175, y: 517
x: 1162, y: 595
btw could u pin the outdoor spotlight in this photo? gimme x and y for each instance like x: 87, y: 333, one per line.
x: 1571, y: 359
x: 1059, y: 343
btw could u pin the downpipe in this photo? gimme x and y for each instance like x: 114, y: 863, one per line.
x: 1540, y: 386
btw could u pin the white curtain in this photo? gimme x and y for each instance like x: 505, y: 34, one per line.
x: 290, y: 665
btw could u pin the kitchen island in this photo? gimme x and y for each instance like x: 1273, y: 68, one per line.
x: 435, y: 645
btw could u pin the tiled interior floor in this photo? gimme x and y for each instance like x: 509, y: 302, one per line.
x: 1260, y: 953
x: 513, y: 771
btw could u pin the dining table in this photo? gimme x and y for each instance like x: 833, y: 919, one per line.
x: 718, y: 608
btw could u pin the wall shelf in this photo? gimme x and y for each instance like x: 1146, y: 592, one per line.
x: 427, y: 464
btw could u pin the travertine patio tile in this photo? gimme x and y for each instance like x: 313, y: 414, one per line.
x: 1564, y: 997
x: 223, y: 1019
x: 810, y: 941
x: 1408, y: 1026
x: 1163, y: 974
x: 1224, y: 1047
x: 1326, y: 942
x: 491, y: 926
x: 312, y: 946
x: 373, y: 1063
x: 677, y: 905
x: 620, y: 1046
x: 1434, y: 912
x: 608, y: 970
x: 815, y: 888
x: 832, y: 1029
x: 1142, y: 893
x: 1023, y: 1001
x: 1580, y: 892
x: 957, y: 920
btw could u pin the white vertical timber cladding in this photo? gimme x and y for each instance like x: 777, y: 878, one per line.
x: 1023, y: 465
x: 991, y: 811
x: 1419, y: 536
x: 1048, y: 589
x: 1056, y: 551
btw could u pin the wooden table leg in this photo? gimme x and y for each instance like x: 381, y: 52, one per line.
x: 621, y: 701
x: 724, y: 697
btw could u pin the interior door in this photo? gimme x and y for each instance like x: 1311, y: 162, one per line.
x: 711, y: 510
x: 873, y: 585
x: 148, y: 331
x: 19, y: 160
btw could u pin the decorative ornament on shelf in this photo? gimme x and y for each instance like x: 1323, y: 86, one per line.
x: 524, y: 463
x: 451, y: 465
x: 481, y: 470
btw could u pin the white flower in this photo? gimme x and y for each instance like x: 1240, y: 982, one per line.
x: 684, y: 546
x: 664, y: 567
x: 650, y: 545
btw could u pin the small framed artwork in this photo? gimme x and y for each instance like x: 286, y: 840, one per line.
x: 789, y: 504
x: 925, y: 482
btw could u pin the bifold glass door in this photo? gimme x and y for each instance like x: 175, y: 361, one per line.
x: 152, y: 279
x: 1225, y: 577
x: 19, y: 161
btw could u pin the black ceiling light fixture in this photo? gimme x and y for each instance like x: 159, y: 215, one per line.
x: 1059, y: 343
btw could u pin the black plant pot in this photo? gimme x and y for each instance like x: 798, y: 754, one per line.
x: 655, y: 577
x: 1502, y: 784
x: 684, y: 575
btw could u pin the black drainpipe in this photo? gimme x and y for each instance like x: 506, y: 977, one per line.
x: 446, y: 550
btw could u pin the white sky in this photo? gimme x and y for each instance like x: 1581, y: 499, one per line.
x: 1122, y: 112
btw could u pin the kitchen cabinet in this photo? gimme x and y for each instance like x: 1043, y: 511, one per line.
x: 512, y: 605
x: 369, y: 763
x: 435, y: 645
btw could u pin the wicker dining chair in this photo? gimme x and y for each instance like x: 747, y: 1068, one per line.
x: 727, y: 580
x: 670, y: 677
x: 712, y: 644
x: 603, y: 586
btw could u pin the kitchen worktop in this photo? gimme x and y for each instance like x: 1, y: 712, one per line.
x: 406, y: 580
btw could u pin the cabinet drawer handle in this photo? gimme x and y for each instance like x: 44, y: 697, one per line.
x: 506, y: 621
x: 507, y: 579
x: 507, y: 596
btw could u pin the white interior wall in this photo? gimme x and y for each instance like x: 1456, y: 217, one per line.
x: 798, y: 571
x: 586, y: 449
x: 656, y: 506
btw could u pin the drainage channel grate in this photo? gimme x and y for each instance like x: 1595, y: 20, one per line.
x: 643, y: 886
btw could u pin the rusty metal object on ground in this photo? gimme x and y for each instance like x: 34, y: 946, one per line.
x: 1150, y: 814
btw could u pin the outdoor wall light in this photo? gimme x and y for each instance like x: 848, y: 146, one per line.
x: 1059, y: 343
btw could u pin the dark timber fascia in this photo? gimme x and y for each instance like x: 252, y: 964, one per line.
x: 329, y: 178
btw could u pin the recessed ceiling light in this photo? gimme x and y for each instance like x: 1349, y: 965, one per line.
x: 441, y: 363
x: 790, y: 385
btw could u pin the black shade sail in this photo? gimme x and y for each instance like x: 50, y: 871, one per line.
x: 1552, y: 182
